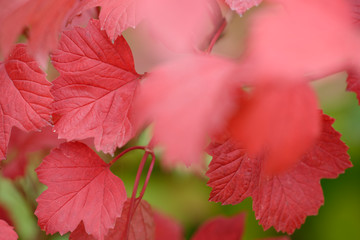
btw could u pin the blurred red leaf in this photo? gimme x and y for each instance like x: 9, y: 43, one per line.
x: 220, y: 228
x: 43, y: 18
x: 188, y: 99
x: 25, y: 96
x: 22, y: 143
x: 167, y: 228
x: 279, y: 121
x: 285, y: 200
x: 95, y: 91
x: 307, y: 39
x: 7, y: 232
x: 81, y: 187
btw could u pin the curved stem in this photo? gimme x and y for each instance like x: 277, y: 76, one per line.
x: 134, y: 202
x: 216, y: 36
x: 124, y: 152
x: 151, y: 167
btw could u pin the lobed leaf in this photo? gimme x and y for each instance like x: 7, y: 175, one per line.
x: 284, y: 200
x: 25, y: 96
x: 96, y: 88
x: 81, y: 187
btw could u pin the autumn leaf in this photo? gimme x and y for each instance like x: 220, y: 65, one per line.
x: 43, y: 18
x: 96, y: 88
x: 221, y: 228
x: 285, y: 200
x: 141, y: 226
x: 81, y: 187
x: 188, y: 100
x: 25, y: 96
x: 280, y: 121
x: 167, y: 228
x: 7, y: 232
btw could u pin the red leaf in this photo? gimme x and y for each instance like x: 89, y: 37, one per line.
x: 188, y: 100
x: 141, y: 227
x: 167, y: 228
x: 221, y: 228
x: 115, y: 15
x: 95, y: 92
x: 4, y: 215
x: 81, y: 187
x: 22, y: 143
x: 281, y: 201
x: 293, y: 38
x: 353, y: 83
x: 25, y: 96
x: 355, y: 7
x: 241, y: 6
x: 280, y: 120
x: 44, y: 18
x: 7, y: 232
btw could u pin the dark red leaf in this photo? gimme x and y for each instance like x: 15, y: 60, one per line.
x: 353, y: 83
x: 81, y: 187
x: 7, y: 232
x: 25, y: 96
x: 220, y: 228
x: 96, y: 88
x: 142, y: 226
x: 4, y: 215
x: 21, y: 144
x: 167, y: 228
x: 44, y: 19
x: 285, y: 200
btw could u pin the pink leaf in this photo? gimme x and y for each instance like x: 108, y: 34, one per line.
x: 241, y: 6
x: 81, y: 187
x: 294, y: 38
x: 44, y: 18
x: 25, y: 96
x: 7, y: 232
x: 188, y: 100
x: 285, y: 200
x: 167, y: 228
x: 96, y: 88
x: 221, y: 228
x: 141, y: 227
x: 165, y: 20
x: 280, y: 121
